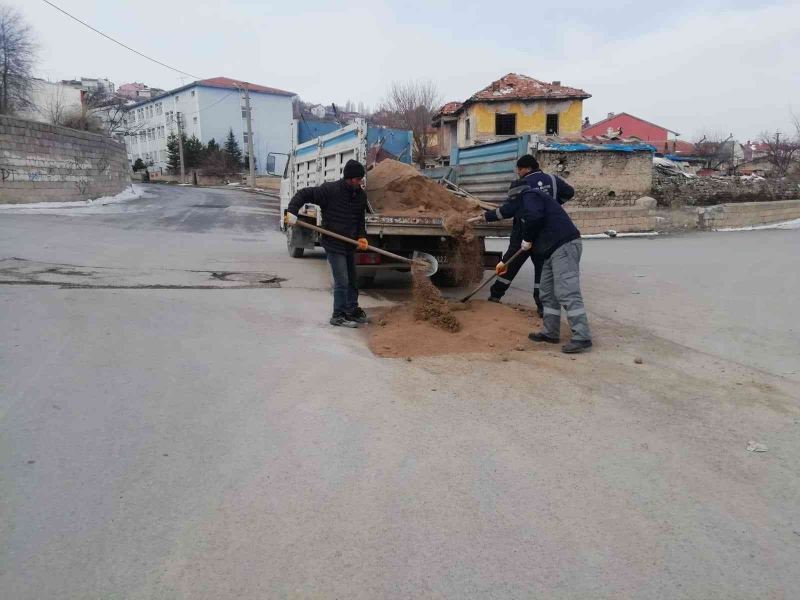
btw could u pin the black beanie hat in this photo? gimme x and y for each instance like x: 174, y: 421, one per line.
x: 352, y: 169
x: 528, y: 162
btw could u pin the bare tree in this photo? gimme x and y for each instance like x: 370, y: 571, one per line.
x: 411, y: 105
x: 55, y: 107
x: 17, y: 55
x: 783, y: 153
x: 715, y: 149
x: 111, y: 111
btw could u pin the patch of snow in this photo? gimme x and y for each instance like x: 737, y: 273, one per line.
x: 235, y: 183
x: 134, y: 192
x: 793, y: 224
x: 603, y: 236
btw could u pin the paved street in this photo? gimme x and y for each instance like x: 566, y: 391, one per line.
x: 177, y: 420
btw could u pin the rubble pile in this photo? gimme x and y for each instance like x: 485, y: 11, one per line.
x: 676, y: 190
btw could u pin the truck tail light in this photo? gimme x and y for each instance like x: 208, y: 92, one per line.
x: 368, y: 258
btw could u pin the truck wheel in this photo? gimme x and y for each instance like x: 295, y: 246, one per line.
x: 294, y: 251
x: 365, y: 281
x: 444, y: 278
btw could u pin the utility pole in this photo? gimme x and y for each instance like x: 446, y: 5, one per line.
x: 179, y: 119
x: 251, y: 158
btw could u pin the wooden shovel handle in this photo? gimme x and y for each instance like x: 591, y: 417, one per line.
x: 351, y: 241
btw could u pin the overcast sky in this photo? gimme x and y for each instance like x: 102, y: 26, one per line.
x: 692, y: 66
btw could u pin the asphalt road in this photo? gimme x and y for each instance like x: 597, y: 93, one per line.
x: 177, y: 420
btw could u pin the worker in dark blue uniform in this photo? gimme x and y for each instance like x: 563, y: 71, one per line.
x: 530, y: 177
x: 547, y: 231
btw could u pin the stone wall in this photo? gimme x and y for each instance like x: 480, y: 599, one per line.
x: 602, y: 178
x: 47, y: 163
x: 745, y: 214
x: 679, y: 190
x: 622, y: 219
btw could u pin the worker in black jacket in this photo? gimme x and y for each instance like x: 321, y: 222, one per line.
x: 343, y: 204
x: 551, y: 234
x: 530, y: 177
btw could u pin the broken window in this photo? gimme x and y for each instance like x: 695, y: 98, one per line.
x: 552, y: 124
x: 466, y: 129
x: 505, y: 124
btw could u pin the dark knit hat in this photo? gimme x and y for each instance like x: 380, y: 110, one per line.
x: 353, y: 169
x: 528, y: 162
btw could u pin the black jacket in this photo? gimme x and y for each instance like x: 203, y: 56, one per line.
x: 343, y: 209
x: 543, y: 220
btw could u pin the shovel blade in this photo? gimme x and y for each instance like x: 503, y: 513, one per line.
x: 430, y: 262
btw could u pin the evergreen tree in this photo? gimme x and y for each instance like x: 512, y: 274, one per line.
x: 233, y: 154
x: 246, y: 162
x: 193, y: 151
x: 212, y: 146
x: 173, y: 153
x: 138, y: 165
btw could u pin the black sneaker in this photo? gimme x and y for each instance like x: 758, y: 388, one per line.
x: 342, y: 321
x: 494, y: 299
x: 576, y: 346
x: 540, y: 337
x: 358, y: 315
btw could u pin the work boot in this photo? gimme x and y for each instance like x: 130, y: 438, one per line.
x: 576, y: 346
x: 541, y: 337
x: 342, y: 321
x: 358, y: 315
x: 494, y: 299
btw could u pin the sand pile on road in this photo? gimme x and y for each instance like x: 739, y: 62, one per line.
x: 395, y: 188
x: 430, y: 306
x: 485, y: 327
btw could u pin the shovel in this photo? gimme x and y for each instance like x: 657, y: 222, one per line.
x: 427, y: 263
x: 492, y: 278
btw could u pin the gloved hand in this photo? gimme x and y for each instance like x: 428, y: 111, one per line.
x: 501, y: 269
x: 362, y: 244
x: 290, y: 219
x: 526, y: 245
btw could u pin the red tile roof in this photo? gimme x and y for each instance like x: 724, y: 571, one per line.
x: 228, y: 83
x: 521, y: 87
x: 450, y: 108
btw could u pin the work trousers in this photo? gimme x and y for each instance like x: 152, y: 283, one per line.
x: 345, y: 288
x: 561, y: 286
x: 501, y: 284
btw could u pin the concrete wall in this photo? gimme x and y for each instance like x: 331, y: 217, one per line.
x: 622, y: 219
x: 602, y: 178
x: 744, y: 214
x: 47, y: 163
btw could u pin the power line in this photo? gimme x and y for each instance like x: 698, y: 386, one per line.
x: 158, y: 62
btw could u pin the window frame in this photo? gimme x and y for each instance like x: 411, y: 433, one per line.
x: 507, y: 117
x: 547, y: 129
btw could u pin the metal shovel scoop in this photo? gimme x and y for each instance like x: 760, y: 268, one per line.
x: 427, y: 264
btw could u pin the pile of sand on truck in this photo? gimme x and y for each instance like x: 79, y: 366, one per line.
x: 398, y: 189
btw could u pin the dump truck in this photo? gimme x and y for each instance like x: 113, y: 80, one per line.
x: 320, y: 159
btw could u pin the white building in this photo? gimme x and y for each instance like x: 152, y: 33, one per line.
x: 52, y: 102
x: 209, y: 109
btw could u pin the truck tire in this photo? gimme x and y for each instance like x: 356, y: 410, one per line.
x: 294, y: 251
x: 444, y: 278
